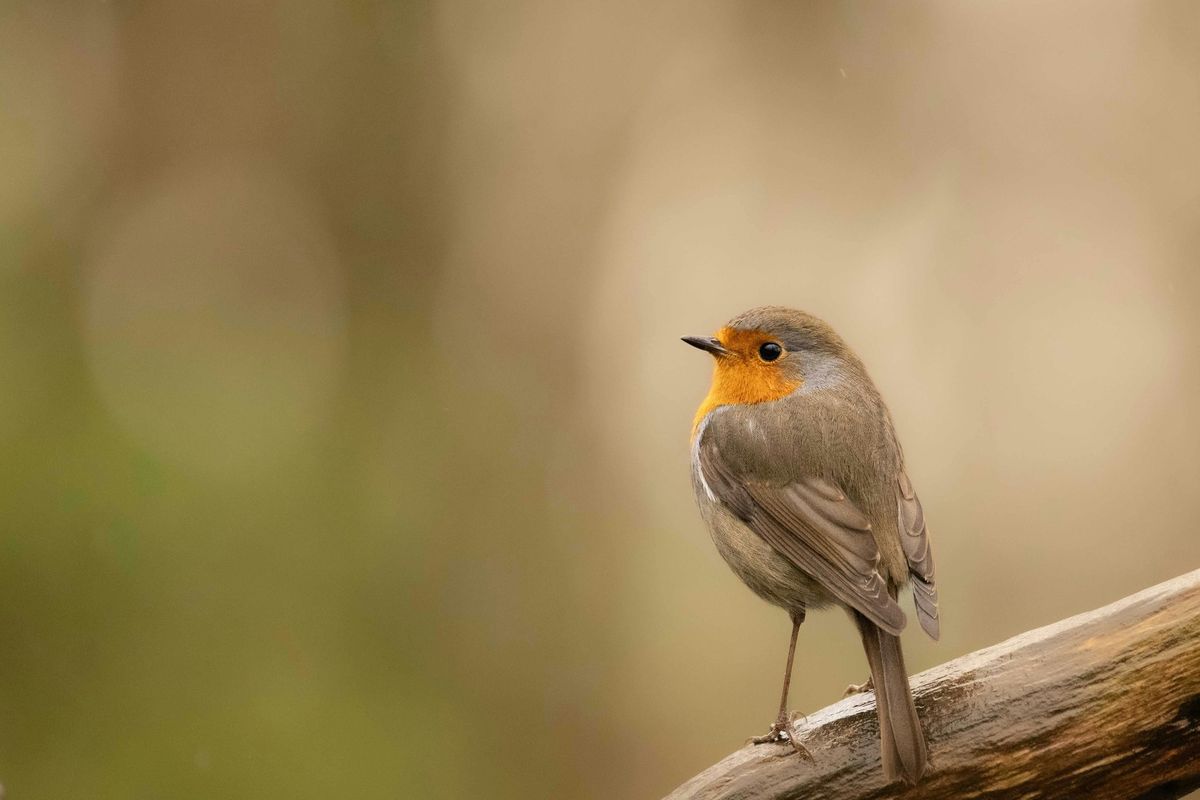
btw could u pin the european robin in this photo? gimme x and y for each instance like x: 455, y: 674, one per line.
x: 802, y: 484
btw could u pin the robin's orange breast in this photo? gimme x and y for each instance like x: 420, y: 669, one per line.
x: 742, y: 377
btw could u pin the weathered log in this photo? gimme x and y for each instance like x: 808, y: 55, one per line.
x: 1101, y: 705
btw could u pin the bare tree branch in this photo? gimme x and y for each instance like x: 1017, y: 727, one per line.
x: 1102, y: 705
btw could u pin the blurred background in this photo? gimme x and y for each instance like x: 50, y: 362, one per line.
x: 344, y: 417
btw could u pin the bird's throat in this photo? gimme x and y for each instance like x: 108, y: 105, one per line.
x: 741, y: 380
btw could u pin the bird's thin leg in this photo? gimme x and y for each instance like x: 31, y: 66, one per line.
x: 781, y: 729
x: 787, y: 675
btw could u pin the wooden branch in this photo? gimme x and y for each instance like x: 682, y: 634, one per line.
x: 1102, y: 705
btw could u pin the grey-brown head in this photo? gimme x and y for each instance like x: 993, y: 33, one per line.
x: 766, y: 349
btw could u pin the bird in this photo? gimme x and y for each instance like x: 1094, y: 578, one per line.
x: 802, y: 484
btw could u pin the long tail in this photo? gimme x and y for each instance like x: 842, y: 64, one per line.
x: 903, y: 742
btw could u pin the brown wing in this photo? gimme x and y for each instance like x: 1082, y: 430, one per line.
x: 811, y: 523
x: 915, y: 539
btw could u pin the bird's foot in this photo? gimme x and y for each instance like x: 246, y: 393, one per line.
x: 859, y: 688
x: 782, y: 732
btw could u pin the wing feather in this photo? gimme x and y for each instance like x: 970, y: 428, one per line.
x: 915, y: 539
x: 814, y: 525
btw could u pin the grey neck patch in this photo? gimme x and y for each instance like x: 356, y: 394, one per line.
x: 821, y: 371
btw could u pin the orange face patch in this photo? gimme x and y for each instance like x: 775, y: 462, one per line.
x: 742, y: 377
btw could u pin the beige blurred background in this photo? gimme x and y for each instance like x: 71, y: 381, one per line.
x: 343, y: 416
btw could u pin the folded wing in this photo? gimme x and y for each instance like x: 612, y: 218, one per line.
x: 915, y: 540
x: 814, y: 525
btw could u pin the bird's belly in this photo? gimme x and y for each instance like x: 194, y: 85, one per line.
x: 770, y: 575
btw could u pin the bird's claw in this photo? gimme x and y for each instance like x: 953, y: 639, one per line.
x: 775, y: 735
x: 781, y: 732
x: 859, y: 688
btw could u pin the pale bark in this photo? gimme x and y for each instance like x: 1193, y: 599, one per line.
x: 1101, y: 705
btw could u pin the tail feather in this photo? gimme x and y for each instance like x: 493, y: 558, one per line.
x: 900, y: 736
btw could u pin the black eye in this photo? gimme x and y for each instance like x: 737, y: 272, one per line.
x: 769, y: 351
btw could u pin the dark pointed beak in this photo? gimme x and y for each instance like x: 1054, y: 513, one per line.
x: 707, y: 344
